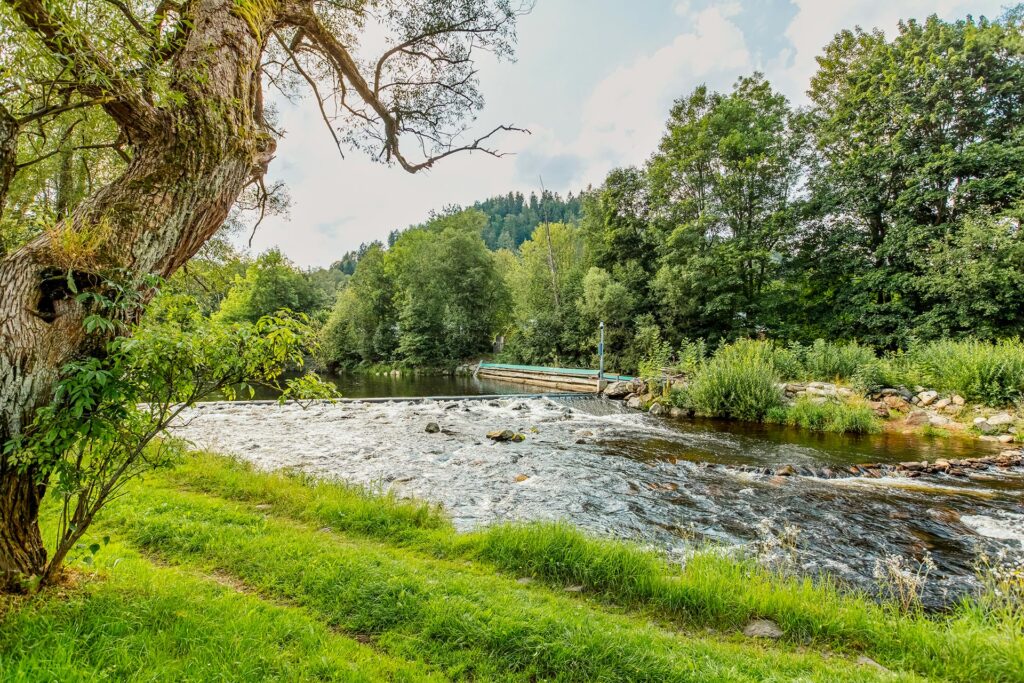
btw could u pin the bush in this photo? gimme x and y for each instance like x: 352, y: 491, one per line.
x: 836, y: 361
x: 991, y: 373
x: 832, y: 416
x: 740, y: 381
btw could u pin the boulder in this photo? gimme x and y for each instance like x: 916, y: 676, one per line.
x: 762, y: 628
x: 617, y: 390
x: 1001, y: 420
x: 938, y: 421
x: 637, y: 386
x: 926, y: 398
x: 785, y: 471
x: 957, y: 399
x: 941, y: 403
x: 634, y: 401
x: 984, y: 426
x: 879, y: 408
x: 917, y: 418
x: 658, y: 409
x: 1006, y: 438
x: 897, y: 403
x: 432, y: 428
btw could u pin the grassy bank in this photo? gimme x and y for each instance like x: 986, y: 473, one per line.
x: 321, y: 580
x: 742, y: 380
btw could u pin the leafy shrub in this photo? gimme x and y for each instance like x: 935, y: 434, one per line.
x: 653, y: 353
x: 832, y: 416
x: 836, y: 361
x: 741, y: 381
x: 692, y: 355
x: 991, y: 373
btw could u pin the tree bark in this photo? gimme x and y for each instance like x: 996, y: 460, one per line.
x: 188, y: 169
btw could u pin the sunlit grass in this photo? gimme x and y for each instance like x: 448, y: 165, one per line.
x: 711, y: 590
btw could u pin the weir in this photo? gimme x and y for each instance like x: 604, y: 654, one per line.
x: 579, y: 380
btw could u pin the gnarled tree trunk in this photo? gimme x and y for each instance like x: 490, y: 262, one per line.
x: 191, y: 162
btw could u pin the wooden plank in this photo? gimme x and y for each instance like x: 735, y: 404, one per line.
x: 561, y: 383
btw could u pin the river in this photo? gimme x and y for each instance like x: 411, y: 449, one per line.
x: 614, y: 471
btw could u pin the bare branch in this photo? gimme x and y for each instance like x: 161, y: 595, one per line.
x: 392, y: 120
x: 313, y: 87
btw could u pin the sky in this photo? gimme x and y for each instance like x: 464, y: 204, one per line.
x: 593, y: 82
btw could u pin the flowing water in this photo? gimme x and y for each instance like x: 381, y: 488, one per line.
x: 619, y: 472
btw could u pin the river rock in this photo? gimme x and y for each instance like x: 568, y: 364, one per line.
x: 432, y: 428
x: 617, y: 390
x: 916, y: 418
x: 501, y: 435
x: 637, y: 386
x: 785, y: 471
x: 634, y: 401
x: 763, y: 628
x: 957, y: 399
x: 941, y: 403
x: 658, y: 409
x: 1000, y: 420
x: 938, y: 421
x: 1006, y: 438
x: 879, y: 408
x: 926, y: 398
x: 984, y: 426
x: 897, y: 403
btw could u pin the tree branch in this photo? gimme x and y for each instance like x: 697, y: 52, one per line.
x: 336, y: 53
x: 96, y: 76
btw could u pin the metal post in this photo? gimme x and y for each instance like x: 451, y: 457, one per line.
x: 600, y: 356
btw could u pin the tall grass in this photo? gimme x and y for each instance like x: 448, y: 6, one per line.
x: 991, y: 373
x: 832, y: 361
x: 740, y: 381
x: 830, y: 416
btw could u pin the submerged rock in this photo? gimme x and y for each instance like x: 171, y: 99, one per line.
x: 432, y: 428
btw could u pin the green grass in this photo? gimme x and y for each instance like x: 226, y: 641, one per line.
x: 830, y: 416
x: 141, y: 621
x: 739, y: 381
x: 295, y: 576
x: 711, y: 591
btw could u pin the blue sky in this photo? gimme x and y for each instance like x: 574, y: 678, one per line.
x: 593, y: 81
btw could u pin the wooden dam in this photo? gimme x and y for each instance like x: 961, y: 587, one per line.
x: 559, y: 379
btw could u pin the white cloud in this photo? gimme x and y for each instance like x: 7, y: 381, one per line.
x: 624, y: 116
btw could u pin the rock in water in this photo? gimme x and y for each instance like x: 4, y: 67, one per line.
x: 502, y: 435
x: 762, y: 628
x: 432, y: 428
x: 617, y: 390
x: 658, y: 409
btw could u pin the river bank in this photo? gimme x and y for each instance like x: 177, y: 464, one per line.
x: 827, y: 406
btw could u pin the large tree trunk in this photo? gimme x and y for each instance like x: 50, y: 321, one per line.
x: 186, y: 173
